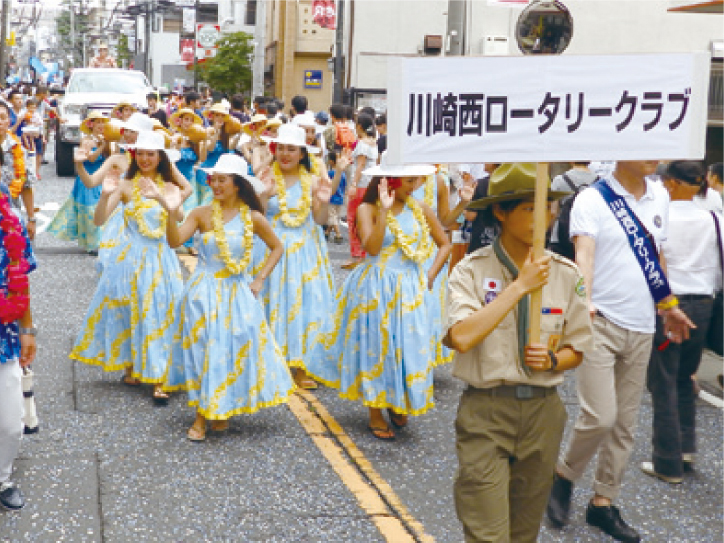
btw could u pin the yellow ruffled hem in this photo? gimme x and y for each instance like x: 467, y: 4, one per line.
x: 355, y: 396
x: 298, y: 363
x: 278, y: 400
x: 329, y: 384
x: 115, y: 367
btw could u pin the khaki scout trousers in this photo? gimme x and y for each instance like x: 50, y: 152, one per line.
x: 507, y: 450
x: 610, y: 384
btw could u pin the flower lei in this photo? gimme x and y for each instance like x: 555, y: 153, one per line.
x: 405, y: 242
x: 13, y: 304
x: 19, y: 172
x: 305, y: 204
x: 217, y: 221
x: 139, y: 205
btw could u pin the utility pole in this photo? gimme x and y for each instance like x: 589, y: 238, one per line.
x: 147, y: 30
x: 339, y: 56
x: 3, y: 39
x: 72, y: 34
x: 196, y: 42
x: 259, y: 50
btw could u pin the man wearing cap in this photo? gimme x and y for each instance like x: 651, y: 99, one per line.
x: 621, y: 287
x: 510, y: 420
x: 103, y: 60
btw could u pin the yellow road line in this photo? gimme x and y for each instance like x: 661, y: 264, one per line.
x: 373, y: 493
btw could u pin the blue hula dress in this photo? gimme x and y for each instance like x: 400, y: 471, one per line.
x: 437, y: 297
x: 376, y: 347
x: 185, y: 165
x: 74, y: 220
x: 299, y: 293
x: 113, y: 236
x: 224, y: 353
x: 202, y: 187
x: 130, y: 319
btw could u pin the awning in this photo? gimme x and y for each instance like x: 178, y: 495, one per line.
x: 713, y: 6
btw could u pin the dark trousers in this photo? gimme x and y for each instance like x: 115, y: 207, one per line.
x: 672, y: 390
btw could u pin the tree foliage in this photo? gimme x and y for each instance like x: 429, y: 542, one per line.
x: 66, y: 47
x: 230, y: 71
x: 124, y: 56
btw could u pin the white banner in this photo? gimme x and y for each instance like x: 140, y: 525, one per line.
x: 189, y: 20
x: 548, y: 108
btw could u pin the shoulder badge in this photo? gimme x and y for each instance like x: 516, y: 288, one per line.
x: 581, y: 287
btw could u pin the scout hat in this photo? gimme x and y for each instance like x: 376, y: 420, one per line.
x: 688, y: 171
x: 385, y: 169
x: 257, y: 123
x: 120, y: 105
x: 290, y: 134
x: 217, y: 108
x: 232, y: 164
x: 92, y: 116
x: 176, y: 116
x: 514, y: 181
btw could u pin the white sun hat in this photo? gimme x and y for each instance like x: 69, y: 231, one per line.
x: 153, y: 140
x: 385, y: 169
x: 138, y: 122
x: 232, y: 164
x: 304, y: 120
x: 290, y: 134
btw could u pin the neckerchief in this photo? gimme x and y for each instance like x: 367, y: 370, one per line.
x: 523, y: 320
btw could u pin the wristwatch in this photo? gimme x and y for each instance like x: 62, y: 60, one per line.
x: 33, y: 331
x: 554, y: 360
x: 32, y: 219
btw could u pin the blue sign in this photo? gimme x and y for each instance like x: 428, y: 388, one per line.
x: 312, y: 79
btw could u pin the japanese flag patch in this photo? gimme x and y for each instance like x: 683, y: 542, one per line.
x: 493, y: 284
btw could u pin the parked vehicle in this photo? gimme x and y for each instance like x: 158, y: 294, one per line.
x: 93, y: 89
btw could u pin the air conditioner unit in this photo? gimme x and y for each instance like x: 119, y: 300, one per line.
x: 494, y: 45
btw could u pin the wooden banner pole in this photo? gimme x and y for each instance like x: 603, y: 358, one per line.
x: 539, y: 238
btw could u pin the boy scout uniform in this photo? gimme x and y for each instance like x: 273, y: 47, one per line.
x: 510, y: 420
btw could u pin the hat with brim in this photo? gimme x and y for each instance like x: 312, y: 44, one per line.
x: 158, y: 125
x: 257, y: 123
x: 232, y: 164
x: 274, y: 123
x: 217, y: 108
x: 290, y: 134
x: 92, y: 116
x: 385, y: 169
x: 121, y: 105
x: 176, y: 117
x: 138, y: 122
x: 514, y: 181
x: 688, y: 171
x: 152, y: 140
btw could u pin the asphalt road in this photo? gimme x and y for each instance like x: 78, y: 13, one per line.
x: 108, y: 466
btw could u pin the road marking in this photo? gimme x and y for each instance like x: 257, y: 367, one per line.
x: 43, y: 220
x: 711, y: 399
x: 373, y: 493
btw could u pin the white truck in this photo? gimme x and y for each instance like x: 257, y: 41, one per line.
x: 93, y: 89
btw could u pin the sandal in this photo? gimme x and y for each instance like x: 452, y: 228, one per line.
x: 380, y: 431
x: 196, y: 434
x: 160, y: 397
x: 130, y: 383
x: 397, y: 420
x: 219, y: 425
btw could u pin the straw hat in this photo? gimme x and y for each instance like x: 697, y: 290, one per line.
x: 92, y: 116
x: 138, y: 122
x: 176, y: 116
x: 217, y: 108
x: 257, y: 123
x: 385, y: 169
x: 514, y: 181
x: 120, y: 105
x: 290, y: 134
x: 232, y: 164
x: 274, y: 123
x: 158, y: 125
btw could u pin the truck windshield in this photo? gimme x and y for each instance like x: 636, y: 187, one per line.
x: 121, y: 82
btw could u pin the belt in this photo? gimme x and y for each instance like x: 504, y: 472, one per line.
x: 695, y: 297
x: 519, y: 392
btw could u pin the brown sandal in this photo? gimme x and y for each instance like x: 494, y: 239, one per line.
x: 196, y: 434
x: 397, y: 420
x: 219, y: 425
x: 383, y: 433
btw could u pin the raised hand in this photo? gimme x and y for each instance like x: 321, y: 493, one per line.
x: 387, y: 198
x: 81, y: 153
x: 345, y: 159
x: 111, y: 182
x: 172, y: 195
x: 468, y: 189
x: 267, y: 179
x: 149, y: 189
x: 324, y: 190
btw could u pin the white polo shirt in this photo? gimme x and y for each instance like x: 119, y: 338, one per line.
x: 620, y: 291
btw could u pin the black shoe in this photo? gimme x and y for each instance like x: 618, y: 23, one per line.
x: 10, y: 497
x: 559, y: 502
x: 608, y: 519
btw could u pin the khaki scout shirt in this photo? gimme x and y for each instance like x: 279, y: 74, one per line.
x: 477, y: 280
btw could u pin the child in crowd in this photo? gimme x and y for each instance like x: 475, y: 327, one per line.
x: 336, y: 202
x: 31, y: 130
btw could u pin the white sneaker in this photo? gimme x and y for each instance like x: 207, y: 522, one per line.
x: 648, y: 469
